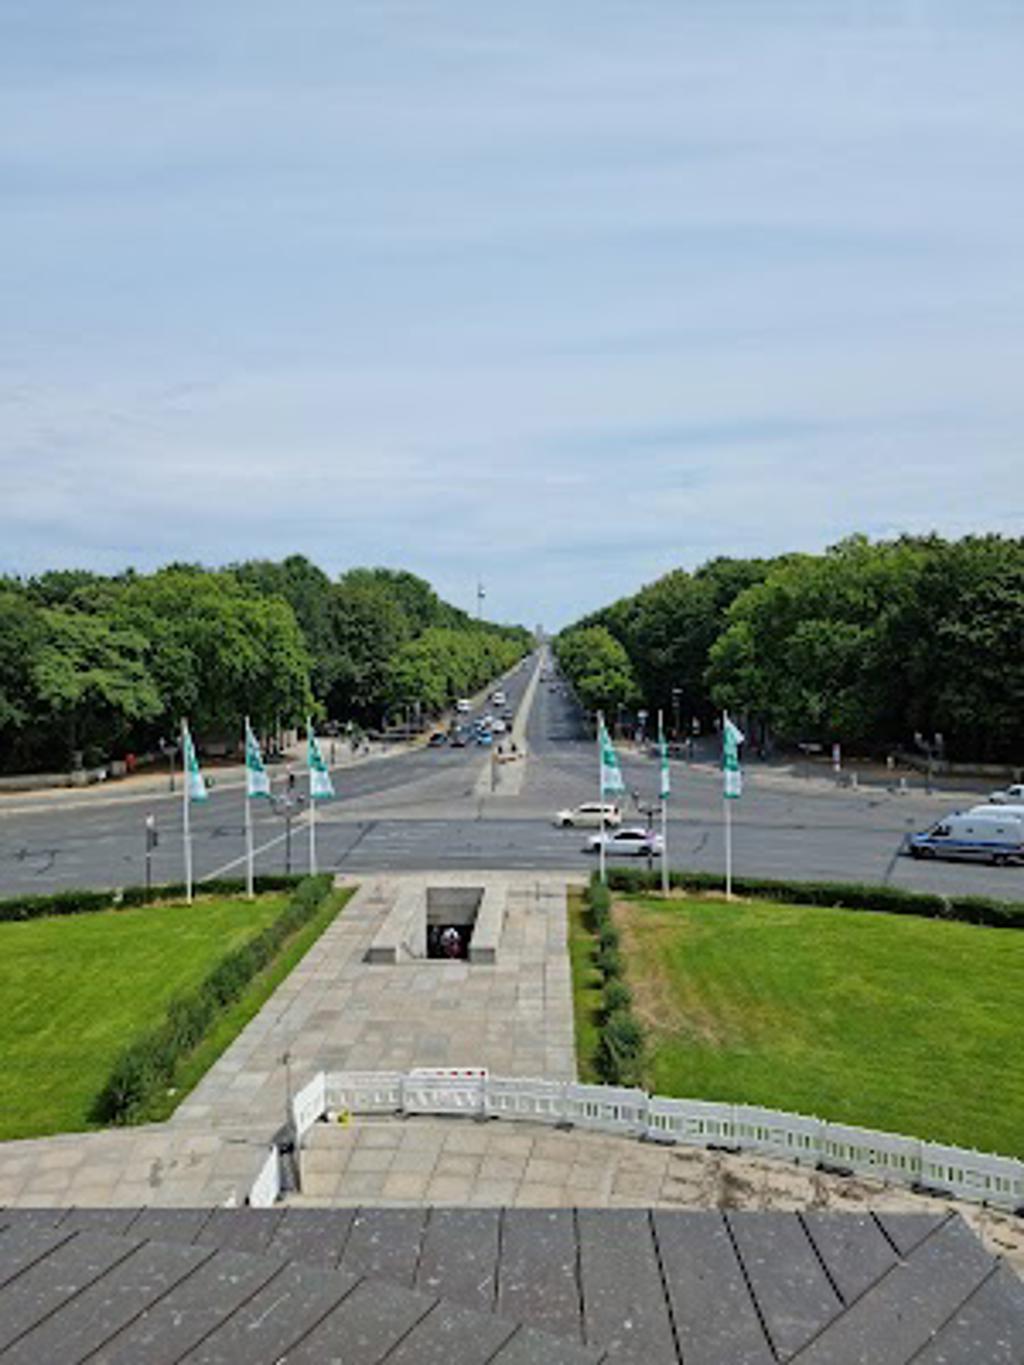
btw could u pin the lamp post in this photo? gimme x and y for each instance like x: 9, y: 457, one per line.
x: 677, y: 697
x: 288, y: 805
x: 152, y: 839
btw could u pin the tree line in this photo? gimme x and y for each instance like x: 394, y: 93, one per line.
x: 877, y: 645
x: 102, y: 665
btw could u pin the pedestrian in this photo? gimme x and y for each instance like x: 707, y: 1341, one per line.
x: 291, y: 779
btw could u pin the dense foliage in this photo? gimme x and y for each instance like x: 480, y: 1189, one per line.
x: 101, y: 666
x: 868, y: 643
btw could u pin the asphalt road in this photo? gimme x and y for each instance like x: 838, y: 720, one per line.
x: 424, y: 810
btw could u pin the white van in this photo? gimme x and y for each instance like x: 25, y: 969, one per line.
x: 463, y: 706
x: 984, y: 835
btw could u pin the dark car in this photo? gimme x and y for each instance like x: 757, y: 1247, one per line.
x: 437, y: 740
x: 457, y: 740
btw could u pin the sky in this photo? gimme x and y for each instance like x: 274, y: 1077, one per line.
x: 557, y: 295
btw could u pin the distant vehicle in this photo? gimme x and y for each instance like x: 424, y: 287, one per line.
x: 463, y: 706
x: 979, y: 835
x: 639, y: 842
x: 1009, y: 796
x: 483, y: 737
x: 457, y: 739
x: 588, y: 816
x: 498, y: 726
x: 498, y: 698
x: 437, y: 740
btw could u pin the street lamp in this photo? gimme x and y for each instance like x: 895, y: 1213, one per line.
x: 288, y: 806
x: 677, y: 697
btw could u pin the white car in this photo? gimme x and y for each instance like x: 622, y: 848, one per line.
x: 639, y: 842
x: 1009, y: 796
x: 498, y: 726
x: 498, y: 698
x: 588, y: 816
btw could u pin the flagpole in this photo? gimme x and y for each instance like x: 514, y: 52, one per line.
x: 728, y: 821
x: 249, y: 889
x: 664, y: 819
x: 600, y: 783
x: 186, y: 828
x: 312, y: 799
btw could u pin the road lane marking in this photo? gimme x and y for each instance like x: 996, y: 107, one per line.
x: 279, y: 839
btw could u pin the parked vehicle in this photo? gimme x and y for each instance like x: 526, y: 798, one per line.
x: 588, y: 816
x: 642, y: 843
x: 1009, y: 796
x: 979, y: 835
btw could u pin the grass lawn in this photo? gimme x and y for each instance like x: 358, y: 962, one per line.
x: 889, y: 1021
x: 74, y: 990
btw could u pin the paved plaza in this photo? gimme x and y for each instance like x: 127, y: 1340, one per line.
x: 336, y: 1012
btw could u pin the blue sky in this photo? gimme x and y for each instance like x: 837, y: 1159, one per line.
x: 565, y: 295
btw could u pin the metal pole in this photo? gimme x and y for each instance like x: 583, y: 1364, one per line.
x: 288, y: 838
x: 170, y: 756
x: 185, y: 823
x: 728, y: 848
x: 249, y: 889
x: 312, y: 827
x: 149, y: 855
x: 664, y: 847
x: 601, y: 850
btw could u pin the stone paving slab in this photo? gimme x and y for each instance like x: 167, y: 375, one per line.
x: 337, y: 1012
x: 431, y: 1161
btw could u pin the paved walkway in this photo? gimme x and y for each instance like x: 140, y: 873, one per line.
x: 459, y: 1161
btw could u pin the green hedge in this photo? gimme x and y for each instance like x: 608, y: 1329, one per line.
x: 146, y: 1067
x: 620, y: 1047
x: 842, y: 895
x: 81, y: 902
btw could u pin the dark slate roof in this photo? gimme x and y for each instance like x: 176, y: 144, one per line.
x: 514, y: 1287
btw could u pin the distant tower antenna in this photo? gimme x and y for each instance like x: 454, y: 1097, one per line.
x: 480, y: 595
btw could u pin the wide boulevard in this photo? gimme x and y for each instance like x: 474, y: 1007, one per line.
x: 453, y: 808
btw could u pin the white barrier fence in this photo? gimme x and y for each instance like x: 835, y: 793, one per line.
x: 930, y: 1166
x: 266, y: 1188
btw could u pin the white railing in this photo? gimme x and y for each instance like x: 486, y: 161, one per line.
x: 309, y: 1104
x: 956, y: 1171
x: 266, y: 1188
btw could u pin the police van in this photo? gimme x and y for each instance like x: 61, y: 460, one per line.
x: 988, y: 834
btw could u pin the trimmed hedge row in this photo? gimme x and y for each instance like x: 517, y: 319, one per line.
x: 621, y: 1040
x: 146, y: 1067
x: 81, y: 901
x: 843, y: 895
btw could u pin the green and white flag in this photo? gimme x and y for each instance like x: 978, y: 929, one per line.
x: 194, y: 784
x: 320, y: 785
x: 732, y: 774
x: 666, y: 781
x: 611, y: 774
x: 257, y: 783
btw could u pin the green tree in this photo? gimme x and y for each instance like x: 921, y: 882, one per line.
x: 90, y: 680
x: 598, y: 667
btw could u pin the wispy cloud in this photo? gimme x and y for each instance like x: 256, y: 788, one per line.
x: 562, y: 295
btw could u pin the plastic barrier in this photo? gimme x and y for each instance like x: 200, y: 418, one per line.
x: 952, y: 1171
